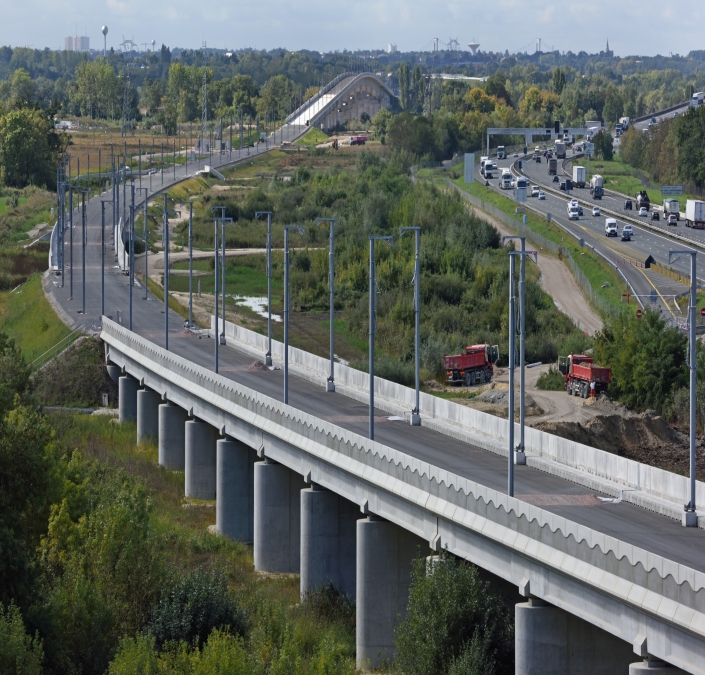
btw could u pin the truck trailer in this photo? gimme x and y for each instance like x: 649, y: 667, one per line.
x: 579, y: 176
x: 695, y: 214
x: 580, y: 372
x: 560, y: 149
x: 501, y: 152
x: 671, y: 206
x: 552, y: 166
x: 475, y: 366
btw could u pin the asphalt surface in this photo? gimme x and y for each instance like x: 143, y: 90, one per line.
x: 626, y: 522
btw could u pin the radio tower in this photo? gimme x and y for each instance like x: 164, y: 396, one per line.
x: 126, y: 123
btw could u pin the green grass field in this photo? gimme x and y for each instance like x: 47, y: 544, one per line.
x: 596, y: 270
x: 313, y: 136
x: 27, y: 316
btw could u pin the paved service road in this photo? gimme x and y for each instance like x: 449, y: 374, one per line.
x: 626, y: 522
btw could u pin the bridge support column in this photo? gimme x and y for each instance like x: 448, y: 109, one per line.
x: 200, y: 440
x: 147, y: 416
x: 172, y: 435
x: 550, y: 641
x: 234, y: 507
x: 127, y: 398
x: 277, y: 518
x: 114, y: 373
x: 328, y: 534
x: 384, y: 555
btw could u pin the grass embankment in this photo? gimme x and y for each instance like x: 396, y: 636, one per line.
x: 605, y: 281
x: 28, y: 318
x: 621, y: 177
x: 313, y: 136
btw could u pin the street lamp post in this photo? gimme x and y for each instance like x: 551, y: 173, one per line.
x: 165, y: 239
x: 145, y: 237
x: 520, y: 456
x: 330, y: 384
x: 71, y: 189
x: 301, y: 231
x: 131, y: 275
x: 268, y: 356
x: 415, y: 413
x: 215, y: 289
x: 84, y: 241
x: 190, y: 264
x: 690, y: 516
x: 102, y: 254
x: 521, y: 452
x: 373, y: 328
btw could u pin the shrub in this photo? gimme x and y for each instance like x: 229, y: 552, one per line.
x: 454, y: 623
x: 551, y: 380
x: 20, y: 654
x: 195, y: 605
x: 329, y: 604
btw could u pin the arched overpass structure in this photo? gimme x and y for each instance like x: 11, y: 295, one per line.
x: 343, y: 100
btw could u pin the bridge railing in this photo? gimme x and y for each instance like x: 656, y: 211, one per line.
x: 317, y: 95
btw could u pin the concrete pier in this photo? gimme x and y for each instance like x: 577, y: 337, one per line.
x: 147, y: 416
x: 172, y: 437
x: 328, y: 541
x: 114, y: 373
x: 654, y: 667
x: 235, y: 478
x: 200, y: 459
x: 127, y: 398
x: 384, y: 556
x: 277, y: 520
x: 549, y: 641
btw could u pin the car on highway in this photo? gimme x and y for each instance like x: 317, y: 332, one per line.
x: 576, y: 204
x: 611, y: 227
x: 628, y: 205
x: 573, y: 213
x: 627, y: 233
x: 542, y: 195
x: 653, y: 121
x: 555, y: 179
x: 675, y: 114
x: 535, y: 190
x: 595, y: 210
x: 537, y: 159
x: 643, y: 212
x: 516, y: 154
x: 672, y: 219
x: 655, y: 215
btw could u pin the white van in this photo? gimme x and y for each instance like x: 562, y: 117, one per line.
x: 611, y: 227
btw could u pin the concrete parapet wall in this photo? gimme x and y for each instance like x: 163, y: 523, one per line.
x: 619, y: 587
x: 645, y: 480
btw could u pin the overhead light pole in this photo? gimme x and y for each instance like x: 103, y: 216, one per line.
x: 330, y: 384
x: 690, y: 516
x: 301, y: 231
x: 145, y: 237
x: 415, y: 413
x: 71, y: 189
x: 373, y: 328
x: 131, y: 275
x: 190, y: 264
x: 522, y: 346
x: 102, y: 254
x: 84, y: 241
x: 268, y: 356
x: 521, y: 456
x: 165, y: 240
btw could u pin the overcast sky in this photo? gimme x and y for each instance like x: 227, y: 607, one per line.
x: 633, y: 26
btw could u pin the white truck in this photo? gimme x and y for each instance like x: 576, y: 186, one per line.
x: 505, y: 181
x: 695, y: 214
x: 579, y: 176
x: 670, y: 206
x: 596, y: 186
x: 624, y: 121
x: 501, y: 152
x: 697, y: 99
x: 611, y: 227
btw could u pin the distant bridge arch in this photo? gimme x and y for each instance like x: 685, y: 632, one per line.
x: 343, y: 100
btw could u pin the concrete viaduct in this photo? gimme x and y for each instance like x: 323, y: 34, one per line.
x: 315, y: 498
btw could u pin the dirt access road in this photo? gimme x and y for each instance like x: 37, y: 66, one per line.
x: 560, y: 284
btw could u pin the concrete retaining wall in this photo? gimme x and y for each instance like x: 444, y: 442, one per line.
x: 626, y: 472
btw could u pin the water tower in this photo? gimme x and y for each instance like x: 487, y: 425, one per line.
x: 474, y: 46
x: 104, y: 31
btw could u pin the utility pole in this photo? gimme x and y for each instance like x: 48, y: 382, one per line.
x: 204, y: 110
x: 690, y: 515
x: 301, y: 231
x: 373, y: 328
x: 165, y: 239
x: 102, y: 255
x: 268, y: 356
x: 84, y: 241
x: 190, y: 264
x: 415, y: 413
x: 330, y: 384
x: 145, y: 237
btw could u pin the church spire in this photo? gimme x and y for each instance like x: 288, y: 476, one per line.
x: 607, y: 49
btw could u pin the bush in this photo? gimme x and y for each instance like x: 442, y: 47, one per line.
x: 20, y: 654
x: 195, y: 605
x: 551, y: 380
x: 329, y: 604
x: 455, y: 623
x: 390, y: 369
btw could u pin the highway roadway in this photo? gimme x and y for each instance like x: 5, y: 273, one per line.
x: 626, y: 522
x: 645, y: 242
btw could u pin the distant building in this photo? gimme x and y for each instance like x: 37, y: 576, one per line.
x: 391, y: 48
x: 77, y: 44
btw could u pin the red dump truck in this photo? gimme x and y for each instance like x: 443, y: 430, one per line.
x: 358, y: 140
x: 580, y: 371
x: 473, y: 367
